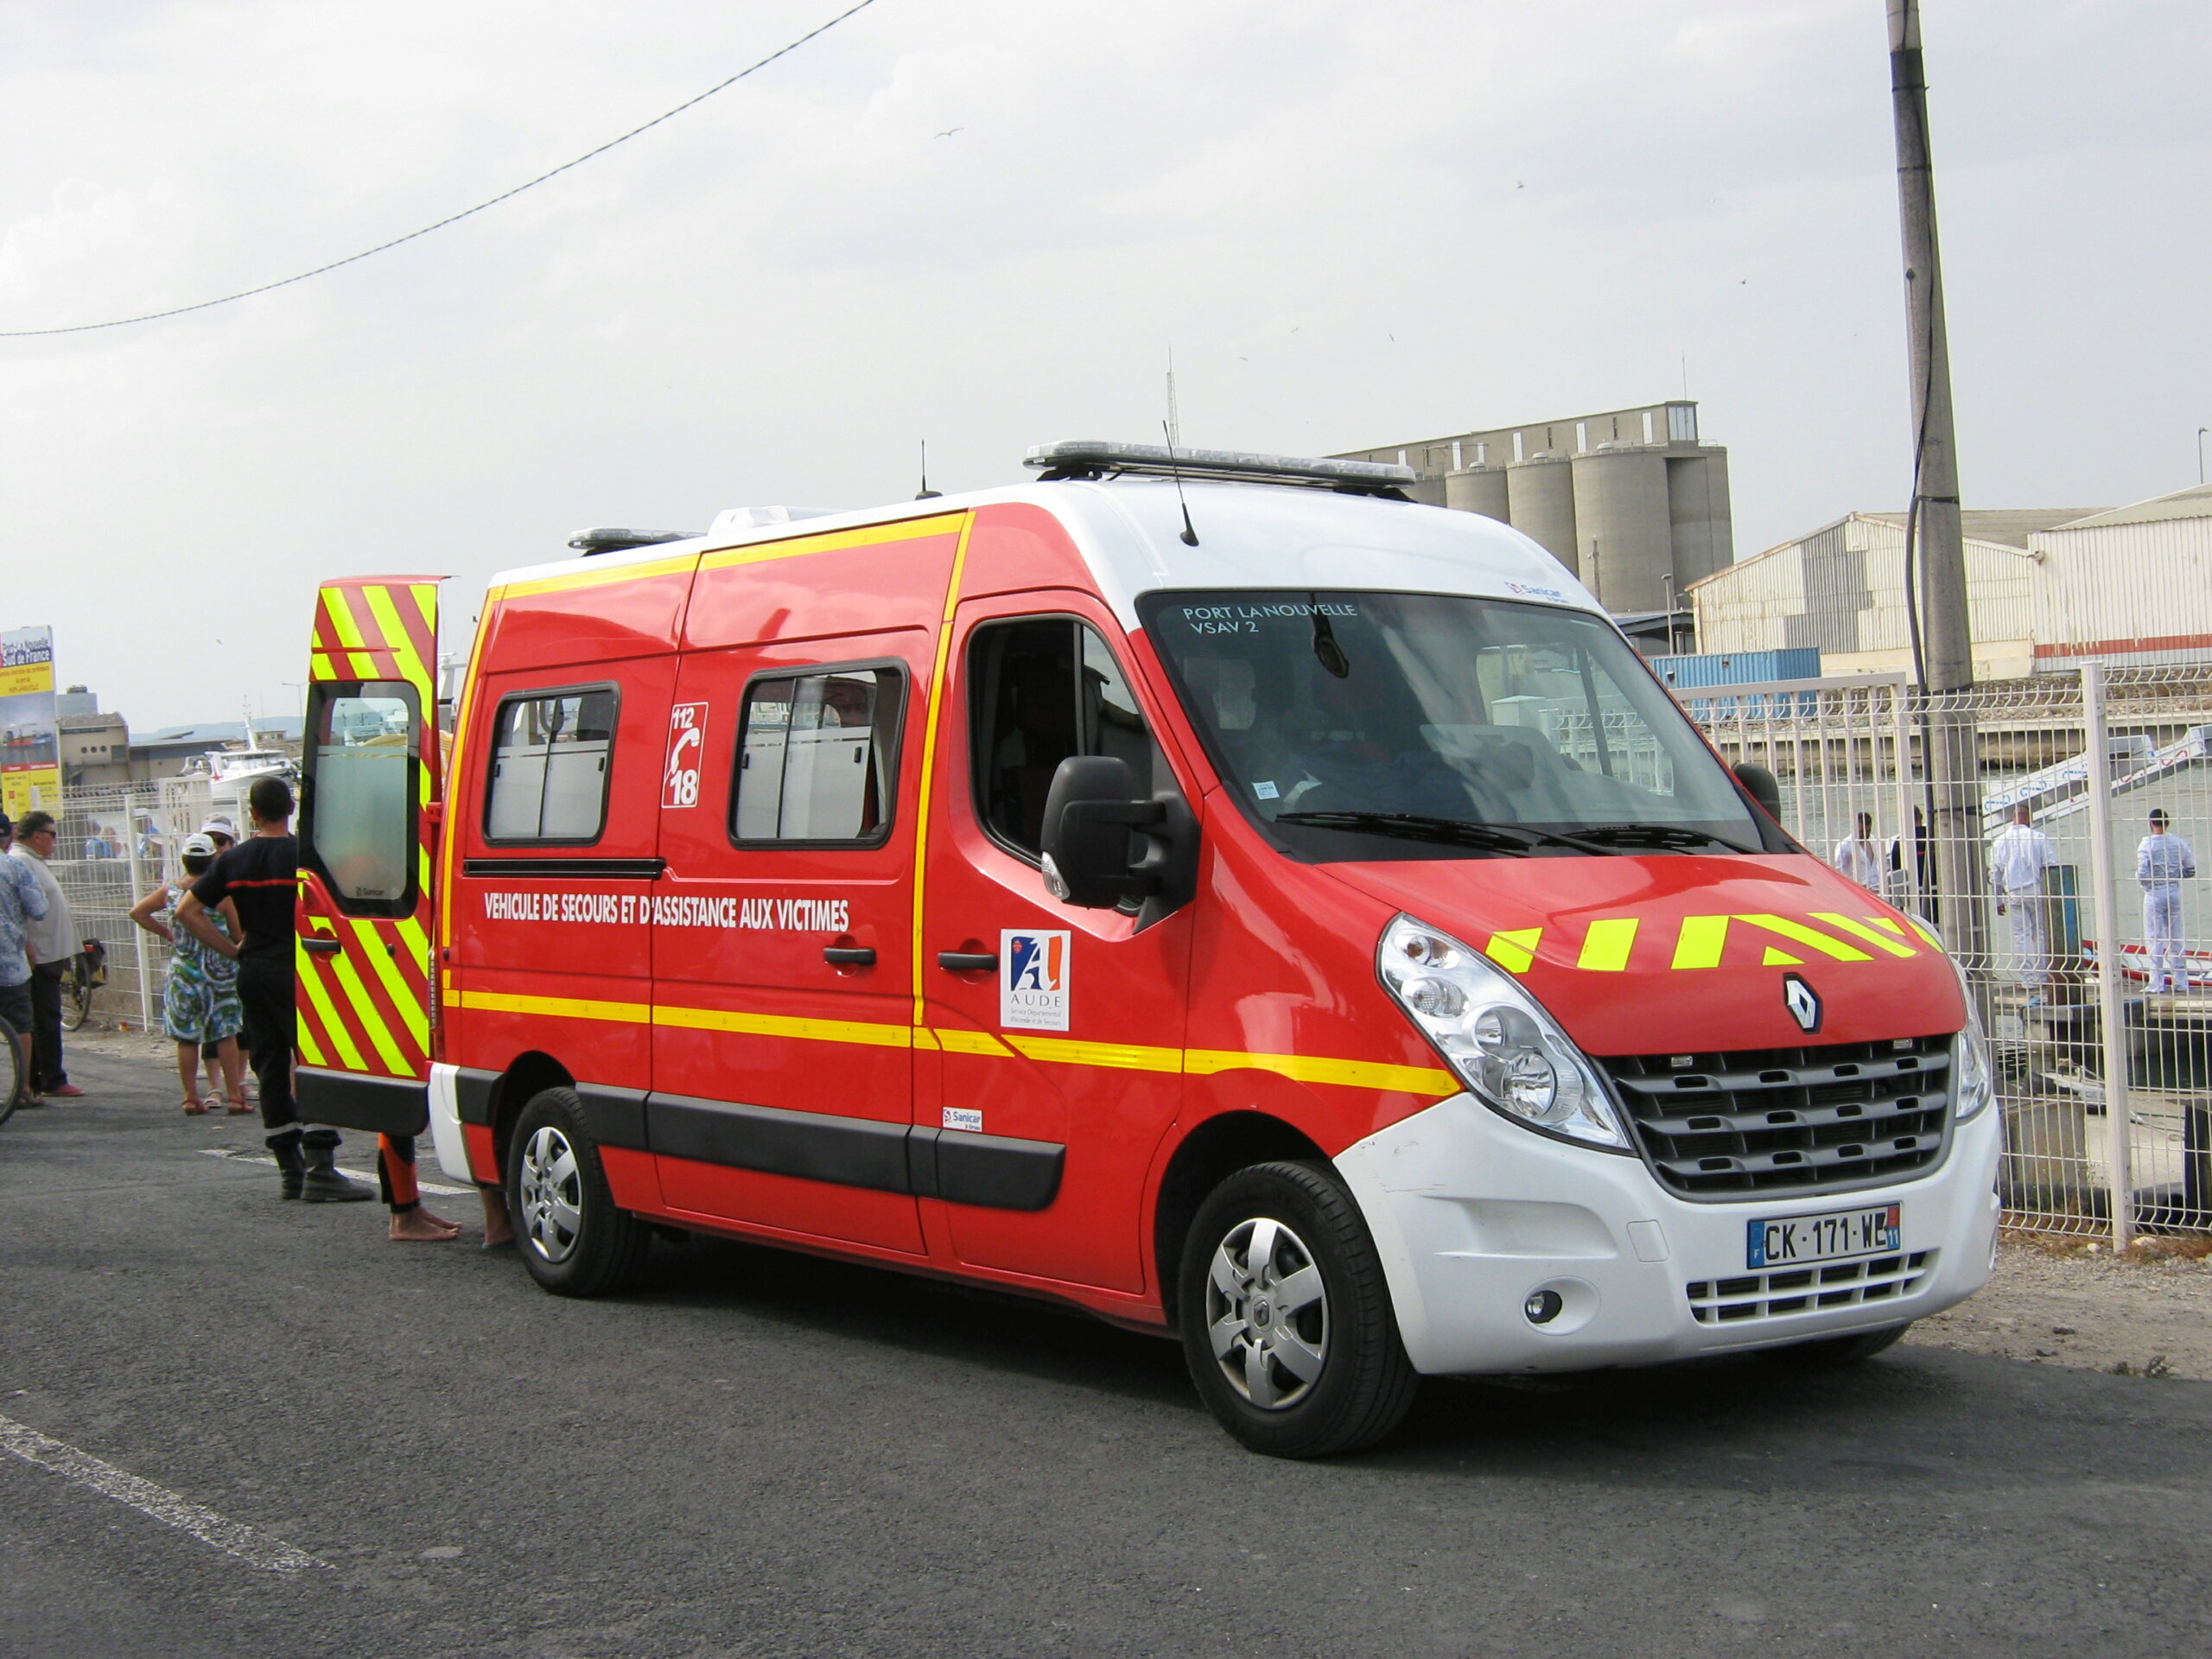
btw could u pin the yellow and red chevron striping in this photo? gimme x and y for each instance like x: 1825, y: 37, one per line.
x: 377, y: 629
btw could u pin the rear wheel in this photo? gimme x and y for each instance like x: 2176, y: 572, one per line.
x: 1286, y: 1322
x: 567, y: 1230
x: 77, y: 995
x: 1839, y: 1351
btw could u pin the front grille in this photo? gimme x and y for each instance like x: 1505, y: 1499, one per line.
x: 1808, y: 1290
x: 1790, y: 1120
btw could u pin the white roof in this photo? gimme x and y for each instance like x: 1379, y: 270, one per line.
x: 1250, y: 535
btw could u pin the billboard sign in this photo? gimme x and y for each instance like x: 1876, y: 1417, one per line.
x: 31, y: 758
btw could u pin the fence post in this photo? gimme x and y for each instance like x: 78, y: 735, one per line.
x: 2111, y: 1017
x: 1908, y: 883
x: 138, y: 933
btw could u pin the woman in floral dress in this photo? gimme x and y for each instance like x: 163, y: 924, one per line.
x: 201, y: 1013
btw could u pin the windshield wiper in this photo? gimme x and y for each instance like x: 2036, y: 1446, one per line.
x: 1418, y: 826
x: 1618, y: 836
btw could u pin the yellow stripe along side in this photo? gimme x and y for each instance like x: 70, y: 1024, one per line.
x: 928, y: 743
x: 905, y: 530
x: 601, y: 576
x: 1046, y: 1051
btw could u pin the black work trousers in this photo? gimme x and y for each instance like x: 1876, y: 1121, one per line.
x: 45, y: 1025
x: 265, y: 992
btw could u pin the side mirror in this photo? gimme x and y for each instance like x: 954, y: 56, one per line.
x: 1104, y: 845
x: 1759, y: 783
x: 1090, y: 814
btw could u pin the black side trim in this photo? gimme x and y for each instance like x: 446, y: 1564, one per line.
x: 995, y: 1171
x: 346, y: 1100
x: 614, y: 1117
x: 590, y: 869
x: 849, y: 1151
x: 472, y: 1093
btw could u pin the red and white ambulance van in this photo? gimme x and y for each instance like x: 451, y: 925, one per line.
x: 1212, y: 891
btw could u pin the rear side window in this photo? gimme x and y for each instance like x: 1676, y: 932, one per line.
x: 552, y: 752
x: 815, y: 756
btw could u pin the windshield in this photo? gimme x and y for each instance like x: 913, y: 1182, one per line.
x: 1479, y: 726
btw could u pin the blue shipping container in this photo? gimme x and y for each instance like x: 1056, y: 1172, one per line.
x: 1737, y: 667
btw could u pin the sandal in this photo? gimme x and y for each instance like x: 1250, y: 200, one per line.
x: 194, y: 1107
x: 239, y: 1105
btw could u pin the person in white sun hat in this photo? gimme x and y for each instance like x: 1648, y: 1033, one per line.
x: 201, y: 1012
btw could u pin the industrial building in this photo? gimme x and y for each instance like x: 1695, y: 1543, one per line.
x: 2130, y: 587
x: 1840, y: 590
x: 2045, y: 590
x: 1629, y: 501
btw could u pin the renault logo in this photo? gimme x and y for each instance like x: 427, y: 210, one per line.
x: 1804, y: 1005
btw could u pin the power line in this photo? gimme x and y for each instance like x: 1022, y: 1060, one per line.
x: 452, y: 219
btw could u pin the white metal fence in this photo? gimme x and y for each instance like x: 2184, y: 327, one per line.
x: 2105, y: 1077
x: 118, y: 842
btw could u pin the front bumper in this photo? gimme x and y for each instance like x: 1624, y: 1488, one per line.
x: 1473, y: 1214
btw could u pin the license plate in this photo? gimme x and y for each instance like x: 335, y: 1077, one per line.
x: 1796, y: 1240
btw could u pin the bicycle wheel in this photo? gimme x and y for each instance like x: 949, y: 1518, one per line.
x: 77, y: 996
x: 13, y: 1073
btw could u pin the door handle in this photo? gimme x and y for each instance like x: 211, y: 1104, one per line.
x: 321, y: 947
x: 967, y: 962
x: 849, y: 955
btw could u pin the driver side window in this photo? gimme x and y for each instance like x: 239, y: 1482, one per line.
x: 1040, y: 689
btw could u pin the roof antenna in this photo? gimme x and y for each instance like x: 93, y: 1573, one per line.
x: 1189, y: 536
x: 925, y: 493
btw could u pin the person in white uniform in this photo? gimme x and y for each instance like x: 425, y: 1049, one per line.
x: 2018, y: 858
x: 2163, y: 862
x: 1858, y: 859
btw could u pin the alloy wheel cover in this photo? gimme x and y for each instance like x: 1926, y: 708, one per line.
x: 1267, y: 1314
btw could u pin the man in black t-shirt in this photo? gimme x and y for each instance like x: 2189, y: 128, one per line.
x: 260, y: 877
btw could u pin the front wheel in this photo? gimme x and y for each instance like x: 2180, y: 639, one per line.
x: 567, y: 1230
x: 15, y: 1077
x: 1286, y: 1323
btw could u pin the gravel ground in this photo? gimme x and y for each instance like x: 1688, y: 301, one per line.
x: 2064, y: 1302
x: 2055, y: 1301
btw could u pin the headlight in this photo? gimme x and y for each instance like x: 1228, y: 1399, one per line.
x: 1498, y: 1039
x: 1972, y: 1086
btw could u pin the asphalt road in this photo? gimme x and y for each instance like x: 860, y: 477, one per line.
x: 762, y: 1454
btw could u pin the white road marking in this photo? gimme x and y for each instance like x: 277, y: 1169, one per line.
x: 82, y: 1469
x: 368, y: 1175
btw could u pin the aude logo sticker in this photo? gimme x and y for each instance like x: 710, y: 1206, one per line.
x: 1033, y: 980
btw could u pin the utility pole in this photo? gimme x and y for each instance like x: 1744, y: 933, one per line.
x: 1946, y: 647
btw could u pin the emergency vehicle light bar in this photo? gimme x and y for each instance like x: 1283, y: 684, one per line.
x: 1091, y: 458
x: 608, y: 539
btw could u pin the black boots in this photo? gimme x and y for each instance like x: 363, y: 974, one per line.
x: 322, y: 1184
x: 291, y: 1167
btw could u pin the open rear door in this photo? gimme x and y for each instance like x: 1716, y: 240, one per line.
x: 368, y: 812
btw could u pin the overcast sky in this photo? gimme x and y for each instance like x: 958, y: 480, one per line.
x: 1352, y: 224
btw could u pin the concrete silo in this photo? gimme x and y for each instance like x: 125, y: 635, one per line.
x: 1622, y: 528
x: 1700, y: 522
x: 1478, y: 489
x: 1540, y: 499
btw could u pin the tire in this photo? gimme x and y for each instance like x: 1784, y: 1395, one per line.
x: 1327, y: 1375
x: 1828, y: 1351
x: 14, y: 1075
x: 77, y: 998
x: 567, y: 1230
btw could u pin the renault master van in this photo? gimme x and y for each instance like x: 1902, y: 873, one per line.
x: 1208, y: 890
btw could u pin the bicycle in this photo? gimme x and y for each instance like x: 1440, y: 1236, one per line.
x: 87, y: 973
x: 14, y: 1073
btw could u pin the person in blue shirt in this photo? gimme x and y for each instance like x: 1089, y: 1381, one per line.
x: 2163, y: 862
x: 21, y: 899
